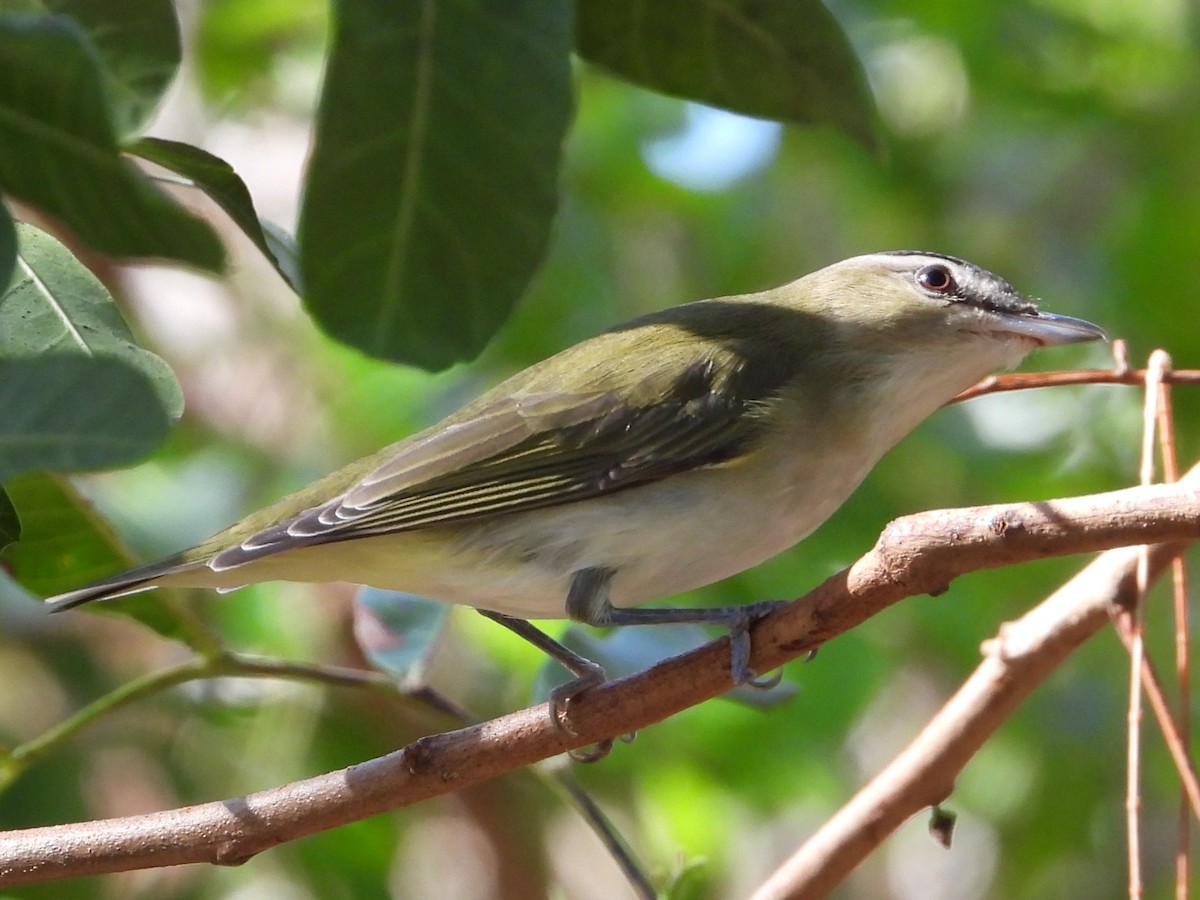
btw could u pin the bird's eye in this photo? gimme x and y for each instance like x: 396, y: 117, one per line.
x: 936, y: 278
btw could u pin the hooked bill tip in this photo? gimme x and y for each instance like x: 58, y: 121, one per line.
x: 1051, y: 329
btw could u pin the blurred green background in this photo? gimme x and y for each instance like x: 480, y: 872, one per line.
x: 1055, y: 142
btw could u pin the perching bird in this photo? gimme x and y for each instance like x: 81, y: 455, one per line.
x: 659, y: 456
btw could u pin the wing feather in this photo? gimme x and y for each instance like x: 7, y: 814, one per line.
x: 525, y: 453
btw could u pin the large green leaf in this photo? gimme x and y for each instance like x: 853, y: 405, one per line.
x: 66, y: 411
x: 775, y: 59
x: 433, y: 179
x: 65, y: 543
x: 138, y: 42
x: 217, y: 178
x: 54, y: 305
x: 61, y: 155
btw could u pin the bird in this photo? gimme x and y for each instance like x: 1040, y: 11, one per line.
x: 659, y: 456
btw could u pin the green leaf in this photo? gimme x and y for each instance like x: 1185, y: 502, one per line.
x: 398, y: 632
x: 433, y: 179
x: 217, y: 178
x: 138, y: 42
x: 54, y: 305
x: 69, y: 412
x: 65, y: 543
x: 285, y: 254
x: 774, y: 59
x: 75, y: 392
x: 61, y: 155
x: 10, y: 522
x: 8, y: 245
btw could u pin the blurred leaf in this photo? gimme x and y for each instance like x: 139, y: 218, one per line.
x: 69, y: 412
x: 217, y: 178
x: 285, y: 254
x: 65, y: 543
x: 433, y: 180
x: 61, y: 155
x: 397, y: 631
x: 633, y: 649
x: 138, y: 41
x: 8, y: 245
x: 54, y: 305
x: 10, y: 522
x: 238, y: 45
x: 784, y: 59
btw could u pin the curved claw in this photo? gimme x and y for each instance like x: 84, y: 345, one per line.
x: 593, y: 753
x: 599, y: 750
x: 561, y: 696
x: 560, y: 700
x: 764, y: 684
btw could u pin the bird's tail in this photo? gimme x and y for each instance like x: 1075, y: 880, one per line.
x: 141, y: 578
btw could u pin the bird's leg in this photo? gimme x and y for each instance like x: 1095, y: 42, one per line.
x: 587, y: 601
x: 587, y: 674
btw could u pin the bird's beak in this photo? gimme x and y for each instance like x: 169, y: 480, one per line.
x: 1049, y: 329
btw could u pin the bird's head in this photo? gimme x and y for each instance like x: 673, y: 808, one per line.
x: 909, y: 299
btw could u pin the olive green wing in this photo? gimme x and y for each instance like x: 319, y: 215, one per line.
x: 524, y: 453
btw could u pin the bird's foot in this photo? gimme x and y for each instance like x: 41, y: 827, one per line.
x: 586, y: 677
x: 560, y: 702
x: 739, y: 645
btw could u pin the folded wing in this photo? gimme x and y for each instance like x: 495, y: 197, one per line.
x: 525, y: 453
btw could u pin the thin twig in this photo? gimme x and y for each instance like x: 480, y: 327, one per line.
x: 222, y: 665
x: 1159, y: 365
x: 1020, y: 381
x: 232, y: 664
x: 1181, y: 745
x: 24, y: 755
x: 1173, y: 735
x: 612, y: 839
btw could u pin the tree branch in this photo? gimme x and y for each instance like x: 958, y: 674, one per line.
x: 1020, y: 381
x: 1017, y: 660
x: 916, y: 554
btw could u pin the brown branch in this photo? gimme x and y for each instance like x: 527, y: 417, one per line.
x: 916, y: 554
x: 923, y: 774
x: 1016, y: 661
x: 1020, y: 381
